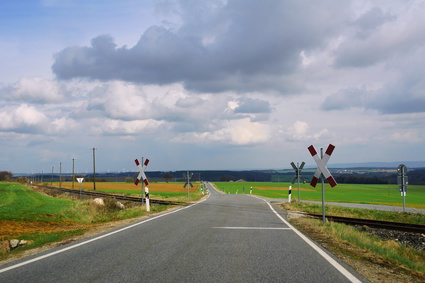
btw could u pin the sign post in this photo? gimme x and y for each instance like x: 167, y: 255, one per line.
x: 80, y: 180
x: 188, y: 183
x: 322, y: 172
x: 142, y: 176
x: 402, y: 182
x: 298, y: 176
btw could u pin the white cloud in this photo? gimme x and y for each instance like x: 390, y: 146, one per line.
x: 20, y: 118
x: 220, y: 76
x: 233, y: 132
x: 33, y: 90
x: 300, y: 131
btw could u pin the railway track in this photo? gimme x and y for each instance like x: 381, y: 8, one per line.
x: 388, y: 225
x: 117, y: 197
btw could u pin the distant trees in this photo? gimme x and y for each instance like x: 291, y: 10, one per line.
x: 5, y: 175
x: 167, y: 177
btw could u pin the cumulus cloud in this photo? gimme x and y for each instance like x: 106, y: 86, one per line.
x: 394, y: 98
x: 33, y: 90
x: 234, y: 132
x: 382, y: 37
x: 236, y: 46
x: 252, y: 106
x: 22, y: 118
x: 300, y: 131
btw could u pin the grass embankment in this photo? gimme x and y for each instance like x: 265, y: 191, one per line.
x: 29, y: 215
x: 348, y: 241
x: 350, y: 193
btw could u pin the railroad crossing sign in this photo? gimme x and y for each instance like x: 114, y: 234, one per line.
x: 142, y: 175
x: 187, y: 178
x: 321, y: 166
x: 297, y: 172
x: 402, y: 179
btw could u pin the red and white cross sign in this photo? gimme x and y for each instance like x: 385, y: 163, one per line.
x: 142, y: 175
x: 321, y: 166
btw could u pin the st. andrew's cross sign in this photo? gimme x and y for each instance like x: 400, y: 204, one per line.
x: 142, y: 175
x: 321, y: 166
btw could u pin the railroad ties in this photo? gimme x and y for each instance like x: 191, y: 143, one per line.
x: 117, y: 197
x: 405, y: 227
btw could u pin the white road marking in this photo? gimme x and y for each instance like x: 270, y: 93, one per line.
x: 338, y: 266
x: 94, y: 239
x: 253, y: 228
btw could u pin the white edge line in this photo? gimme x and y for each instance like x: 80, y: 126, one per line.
x: 338, y: 266
x: 253, y: 228
x: 95, y: 239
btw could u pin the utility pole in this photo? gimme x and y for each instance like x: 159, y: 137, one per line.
x: 60, y: 174
x: 73, y: 173
x: 94, y: 169
x: 53, y: 168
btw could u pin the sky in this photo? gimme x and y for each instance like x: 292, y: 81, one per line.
x: 209, y: 85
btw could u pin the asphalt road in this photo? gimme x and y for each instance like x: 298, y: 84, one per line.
x: 226, y: 238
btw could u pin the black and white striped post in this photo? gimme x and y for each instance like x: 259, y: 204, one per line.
x: 290, y: 194
x: 148, y: 207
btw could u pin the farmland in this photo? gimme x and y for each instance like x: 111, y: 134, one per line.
x: 156, y: 190
x: 350, y: 193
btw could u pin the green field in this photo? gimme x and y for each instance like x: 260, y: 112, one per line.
x: 351, y: 193
x: 19, y: 203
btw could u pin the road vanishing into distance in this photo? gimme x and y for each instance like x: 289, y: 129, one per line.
x: 225, y: 238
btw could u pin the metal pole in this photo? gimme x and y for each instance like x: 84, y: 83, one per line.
x: 143, y: 182
x: 298, y: 179
x: 323, y: 191
x: 60, y: 174
x: 73, y: 173
x: 403, y: 189
x: 94, y: 169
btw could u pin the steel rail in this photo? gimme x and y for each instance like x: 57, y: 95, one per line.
x: 117, y: 197
x: 405, y: 227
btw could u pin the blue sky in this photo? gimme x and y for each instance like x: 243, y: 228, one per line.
x: 209, y: 84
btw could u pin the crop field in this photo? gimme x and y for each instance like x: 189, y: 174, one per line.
x: 155, y: 189
x: 350, y: 193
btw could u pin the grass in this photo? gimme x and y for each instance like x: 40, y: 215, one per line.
x: 20, y: 203
x: 382, y: 251
x: 30, y: 215
x: 404, y: 217
x: 350, y: 193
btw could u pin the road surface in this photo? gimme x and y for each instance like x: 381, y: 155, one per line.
x: 226, y: 238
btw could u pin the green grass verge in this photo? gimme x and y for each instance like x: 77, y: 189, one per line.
x: 350, y: 193
x: 19, y: 204
x: 391, y: 251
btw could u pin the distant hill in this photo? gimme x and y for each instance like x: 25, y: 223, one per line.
x: 395, y: 164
